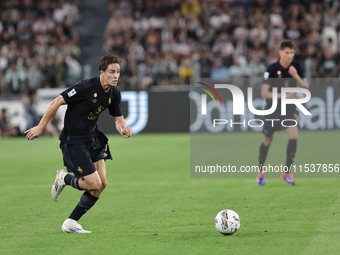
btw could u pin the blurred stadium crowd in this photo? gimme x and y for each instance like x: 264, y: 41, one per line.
x: 171, y: 41
x: 166, y: 41
x: 39, y: 45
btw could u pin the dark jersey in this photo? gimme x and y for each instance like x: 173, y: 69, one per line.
x: 86, y: 100
x: 277, y: 77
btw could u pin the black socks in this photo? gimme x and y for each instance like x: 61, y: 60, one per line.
x: 85, y: 203
x: 291, y: 150
x: 72, y: 181
x: 263, y: 155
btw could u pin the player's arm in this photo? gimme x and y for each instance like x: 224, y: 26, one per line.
x: 303, y: 83
x: 50, y: 112
x: 266, y: 93
x: 121, y: 127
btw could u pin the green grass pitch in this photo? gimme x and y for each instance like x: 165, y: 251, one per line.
x: 152, y: 206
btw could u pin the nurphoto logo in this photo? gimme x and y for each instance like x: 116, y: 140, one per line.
x: 238, y: 103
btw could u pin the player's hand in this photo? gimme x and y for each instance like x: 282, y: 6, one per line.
x: 292, y: 71
x: 126, y: 133
x: 291, y: 95
x: 33, y: 132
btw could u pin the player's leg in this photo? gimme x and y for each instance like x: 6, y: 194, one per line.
x: 101, y: 170
x: 95, y: 183
x: 267, y: 140
x: 89, y: 197
x: 268, y: 130
x: 264, y: 147
x: 92, y: 179
x: 93, y: 186
x: 292, y: 145
x: 99, y: 154
x: 93, y: 175
x: 78, y: 160
x: 90, y: 182
x: 291, y: 151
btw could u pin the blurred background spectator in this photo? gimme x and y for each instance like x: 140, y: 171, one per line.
x: 30, y: 101
x: 6, y: 129
x: 218, y: 71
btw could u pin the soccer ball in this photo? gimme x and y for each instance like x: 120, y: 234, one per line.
x: 227, y: 222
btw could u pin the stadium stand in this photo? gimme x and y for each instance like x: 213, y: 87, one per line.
x: 39, y: 45
x: 169, y: 42
x: 165, y: 41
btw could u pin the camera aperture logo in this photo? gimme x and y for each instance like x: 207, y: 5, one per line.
x: 204, y: 97
x: 238, y: 103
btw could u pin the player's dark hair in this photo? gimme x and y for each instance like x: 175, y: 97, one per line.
x: 287, y: 44
x: 107, y: 60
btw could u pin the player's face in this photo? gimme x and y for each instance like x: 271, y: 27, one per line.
x: 111, y: 75
x: 287, y: 55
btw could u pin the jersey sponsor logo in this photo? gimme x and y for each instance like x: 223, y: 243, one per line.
x: 72, y: 93
x: 266, y: 76
x: 95, y: 115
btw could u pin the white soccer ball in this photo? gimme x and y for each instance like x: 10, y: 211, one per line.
x: 227, y: 222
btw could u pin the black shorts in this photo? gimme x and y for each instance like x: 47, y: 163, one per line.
x: 79, y: 158
x: 270, y: 127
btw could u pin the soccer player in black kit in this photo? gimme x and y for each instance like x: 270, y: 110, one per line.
x: 84, y: 147
x: 284, y: 73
